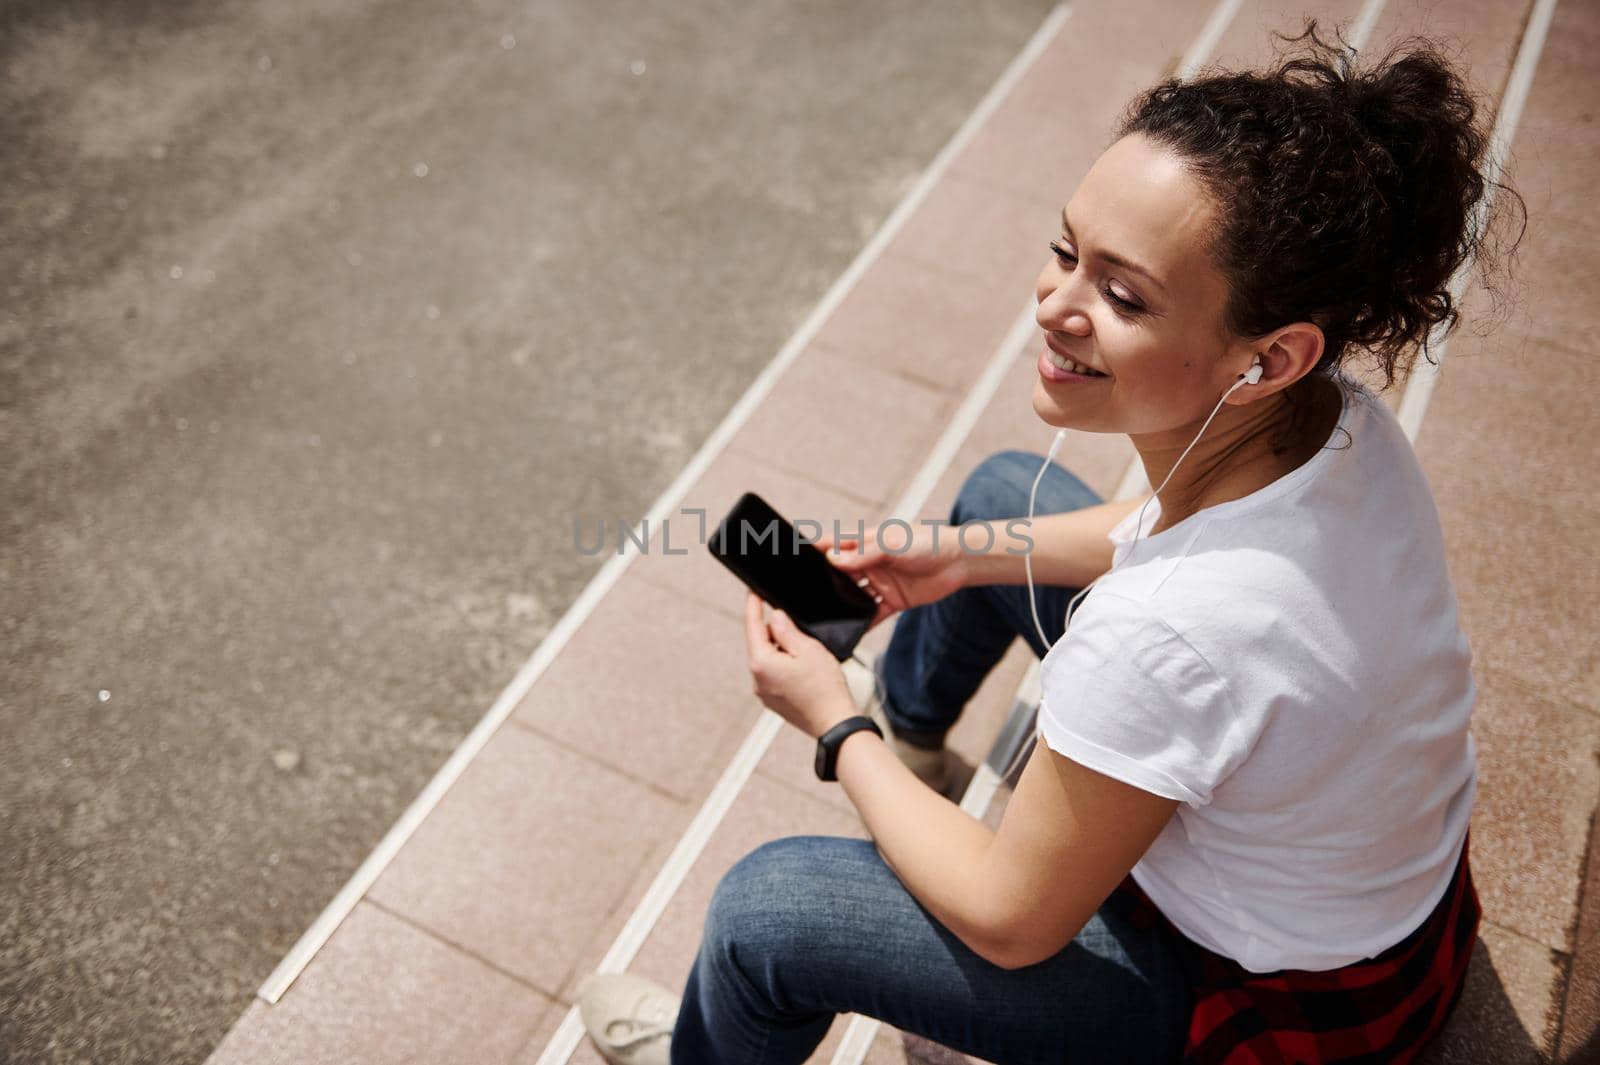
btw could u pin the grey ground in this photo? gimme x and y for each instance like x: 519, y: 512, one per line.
x: 321, y: 323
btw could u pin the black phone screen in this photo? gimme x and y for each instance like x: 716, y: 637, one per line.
x: 767, y: 553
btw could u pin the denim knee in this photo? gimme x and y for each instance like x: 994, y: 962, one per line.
x: 998, y: 487
x: 750, y: 910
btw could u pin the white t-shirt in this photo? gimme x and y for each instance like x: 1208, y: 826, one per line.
x: 1289, y: 666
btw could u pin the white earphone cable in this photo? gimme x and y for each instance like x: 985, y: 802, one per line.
x: 1027, y: 560
x: 1027, y: 557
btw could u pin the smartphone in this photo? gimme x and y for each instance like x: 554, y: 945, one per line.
x: 766, y: 552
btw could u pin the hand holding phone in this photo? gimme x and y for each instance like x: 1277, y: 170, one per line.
x: 765, y: 551
x: 923, y: 570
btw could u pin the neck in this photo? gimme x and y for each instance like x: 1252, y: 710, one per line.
x: 1233, y: 458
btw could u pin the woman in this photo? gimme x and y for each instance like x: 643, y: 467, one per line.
x: 1255, y: 774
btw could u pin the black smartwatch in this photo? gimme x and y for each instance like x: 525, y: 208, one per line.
x: 828, y: 743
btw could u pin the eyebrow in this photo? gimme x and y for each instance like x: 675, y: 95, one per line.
x: 1113, y: 257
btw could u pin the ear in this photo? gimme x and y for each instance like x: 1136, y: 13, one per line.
x: 1287, y: 354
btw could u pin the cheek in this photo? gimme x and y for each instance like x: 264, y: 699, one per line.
x: 1128, y: 352
x: 1152, y: 373
x: 1166, y: 382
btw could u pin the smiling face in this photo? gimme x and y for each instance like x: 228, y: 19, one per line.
x: 1131, y: 292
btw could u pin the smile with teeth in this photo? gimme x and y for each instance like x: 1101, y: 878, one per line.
x: 1061, y: 362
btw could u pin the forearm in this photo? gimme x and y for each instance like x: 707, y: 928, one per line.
x: 1068, y: 550
x: 935, y: 848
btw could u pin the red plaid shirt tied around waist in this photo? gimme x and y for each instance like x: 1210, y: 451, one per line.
x: 1381, y: 1009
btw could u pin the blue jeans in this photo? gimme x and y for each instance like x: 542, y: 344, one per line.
x: 807, y: 927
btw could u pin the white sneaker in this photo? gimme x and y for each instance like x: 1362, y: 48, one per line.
x: 933, y: 768
x: 629, y: 1017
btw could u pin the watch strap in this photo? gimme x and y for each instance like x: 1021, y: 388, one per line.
x: 828, y: 743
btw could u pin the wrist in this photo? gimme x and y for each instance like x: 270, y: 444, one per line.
x: 966, y: 568
x: 837, y: 713
x: 848, y: 740
x: 831, y: 744
x: 853, y: 750
x: 992, y: 566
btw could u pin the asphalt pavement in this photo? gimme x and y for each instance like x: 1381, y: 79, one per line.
x: 321, y: 325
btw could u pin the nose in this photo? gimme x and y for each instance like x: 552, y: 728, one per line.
x: 1061, y: 306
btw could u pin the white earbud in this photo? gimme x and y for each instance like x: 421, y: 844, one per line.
x: 1252, y: 376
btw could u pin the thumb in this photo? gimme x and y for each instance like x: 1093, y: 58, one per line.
x: 784, y: 629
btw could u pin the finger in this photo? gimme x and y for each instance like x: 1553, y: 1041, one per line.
x: 791, y: 638
x: 844, y: 546
x: 870, y: 549
x: 784, y: 631
x: 856, y: 558
x: 756, y: 637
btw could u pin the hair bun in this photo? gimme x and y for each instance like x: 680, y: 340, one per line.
x: 1417, y: 108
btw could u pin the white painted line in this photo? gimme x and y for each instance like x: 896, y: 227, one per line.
x: 980, y: 791
x: 1425, y: 375
x: 1361, y: 30
x: 1419, y: 391
x: 673, y: 870
x: 1017, y: 339
x: 857, y: 1041
x: 282, y: 977
x: 644, y: 917
x: 1199, y: 52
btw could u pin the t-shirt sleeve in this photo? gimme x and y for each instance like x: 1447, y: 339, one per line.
x: 1127, y: 696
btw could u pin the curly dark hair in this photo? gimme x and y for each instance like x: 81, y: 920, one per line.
x: 1348, y: 197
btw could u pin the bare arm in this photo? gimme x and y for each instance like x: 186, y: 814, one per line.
x: 1015, y: 895
x: 1020, y: 894
x: 1069, y: 550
